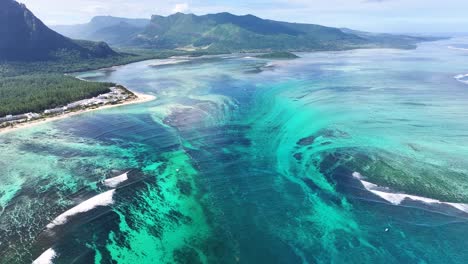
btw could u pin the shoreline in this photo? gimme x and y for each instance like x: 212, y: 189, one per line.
x: 140, y: 98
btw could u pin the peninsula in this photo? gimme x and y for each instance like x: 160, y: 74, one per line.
x: 117, y: 96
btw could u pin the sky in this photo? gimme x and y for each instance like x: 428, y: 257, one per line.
x: 405, y: 16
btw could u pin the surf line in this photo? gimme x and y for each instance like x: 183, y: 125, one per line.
x: 398, y: 198
x: 46, y: 257
x: 463, y: 78
x: 103, y: 199
x: 114, y: 182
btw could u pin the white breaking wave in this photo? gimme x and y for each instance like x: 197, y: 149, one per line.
x: 461, y: 78
x: 46, y: 257
x: 102, y: 199
x: 114, y: 182
x: 167, y: 62
x: 398, y: 198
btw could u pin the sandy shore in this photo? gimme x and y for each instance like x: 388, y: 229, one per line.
x: 141, y: 98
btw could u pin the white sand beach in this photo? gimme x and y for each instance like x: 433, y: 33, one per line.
x: 141, y: 98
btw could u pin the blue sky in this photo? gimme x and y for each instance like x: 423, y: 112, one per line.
x: 372, y: 15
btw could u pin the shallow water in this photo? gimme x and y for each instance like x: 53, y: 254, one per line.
x: 243, y: 160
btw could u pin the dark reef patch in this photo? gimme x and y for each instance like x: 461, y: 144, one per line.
x: 298, y: 156
x: 306, y: 141
x: 184, y: 187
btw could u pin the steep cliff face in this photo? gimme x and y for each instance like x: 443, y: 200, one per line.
x: 24, y: 37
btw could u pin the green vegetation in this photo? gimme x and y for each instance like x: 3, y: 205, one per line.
x: 230, y: 33
x: 36, y: 86
x: 39, y: 85
x: 71, y: 63
x: 35, y: 93
x: 278, y: 55
x: 33, y: 58
x: 225, y: 32
x: 25, y: 38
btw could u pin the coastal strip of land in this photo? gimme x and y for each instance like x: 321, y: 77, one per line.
x: 118, y: 96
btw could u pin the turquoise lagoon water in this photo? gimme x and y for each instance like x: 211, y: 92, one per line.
x: 337, y: 157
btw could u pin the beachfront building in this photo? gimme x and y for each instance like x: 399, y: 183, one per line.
x: 55, y: 111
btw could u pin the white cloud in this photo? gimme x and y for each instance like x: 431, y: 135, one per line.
x: 181, y: 8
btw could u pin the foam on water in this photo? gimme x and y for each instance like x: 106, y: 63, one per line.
x: 462, y: 78
x: 46, y: 258
x: 114, y: 182
x: 103, y: 199
x: 398, y: 198
x: 167, y: 62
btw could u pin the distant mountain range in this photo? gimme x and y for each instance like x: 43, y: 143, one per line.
x: 389, y: 40
x: 225, y: 32
x: 113, y: 30
x: 25, y: 37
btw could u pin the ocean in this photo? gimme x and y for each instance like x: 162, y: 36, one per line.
x: 337, y: 157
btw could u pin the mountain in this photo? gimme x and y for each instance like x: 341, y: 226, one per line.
x: 113, y: 30
x: 25, y: 37
x: 226, y: 32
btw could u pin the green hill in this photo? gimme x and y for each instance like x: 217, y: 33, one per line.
x: 25, y: 37
x: 227, y: 32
